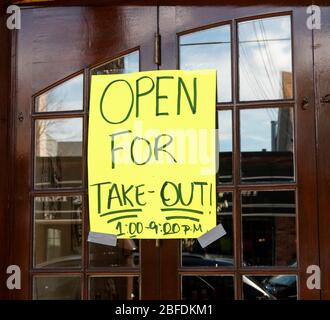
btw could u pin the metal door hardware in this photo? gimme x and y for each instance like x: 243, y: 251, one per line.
x: 20, y: 117
x: 325, y: 99
x: 304, y: 103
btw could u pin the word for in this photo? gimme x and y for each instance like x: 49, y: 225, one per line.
x: 137, y: 143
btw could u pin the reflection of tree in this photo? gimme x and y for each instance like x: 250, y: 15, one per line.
x: 55, y: 99
x: 43, y: 138
x: 113, y: 67
x: 48, y: 133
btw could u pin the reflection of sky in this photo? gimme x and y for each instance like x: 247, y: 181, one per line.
x: 131, y: 62
x: 69, y: 96
x: 66, y: 96
x: 225, y: 130
x: 217, y: 34
x: 210, y: 56
x: 273, y: 28
x: 64, y: 129
x: 256, y: 128
x: 262, y: 62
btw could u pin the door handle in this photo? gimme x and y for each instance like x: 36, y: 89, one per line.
x: 325, y: 99
x: 304, y: 103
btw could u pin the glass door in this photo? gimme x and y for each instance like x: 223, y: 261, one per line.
x: 51, y: 201
x: 267, y: 177
x: 266, y: 190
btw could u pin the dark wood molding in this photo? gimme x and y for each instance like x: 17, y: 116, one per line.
x: 322, y: 81
x: 4, y: 148
x: 159, y: 2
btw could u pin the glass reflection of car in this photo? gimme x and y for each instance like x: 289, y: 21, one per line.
x: 192, y: 260
x: 202, y: 288
x: 62, y: 262
x: 273, y: 288
x: 282, y: 286
x: 254, y: 290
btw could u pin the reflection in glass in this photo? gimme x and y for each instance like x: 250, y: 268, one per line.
x: 220, y: 252
x: 64, y: 97
x: 209, y: 49
x: 56, y: 288
x: 269, y: 228
x: 278, y: 287
x: 225, y: 135
x: 57, y: 231
x: 125, y: 64
x: 125, y: 254
x: 265, y: 59
x: 114, y: 288
x: 58, y: 153
x: 267, y: 145
x: 207, y: 288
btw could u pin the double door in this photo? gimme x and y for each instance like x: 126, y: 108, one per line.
x: 267, y: 200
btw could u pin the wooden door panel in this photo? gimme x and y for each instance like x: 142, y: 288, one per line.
x: 322, y: 76
x: 182, y: 19
x: 53, y: 44
x: 4, y: 149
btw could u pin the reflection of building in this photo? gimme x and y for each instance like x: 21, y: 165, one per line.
x: 58, y: 231
x: 58, y: 163
x: 269, y: 228
x: 69, y: 148
x: 281, y: 130
x: 287, y: 84
x: 114, y: 67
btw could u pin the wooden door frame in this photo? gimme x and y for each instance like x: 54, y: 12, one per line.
x: 5, y: 155
x: 30, y: 81
x: 9, y: 117
x: 322, y: 84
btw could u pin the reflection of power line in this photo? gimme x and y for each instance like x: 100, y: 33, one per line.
x: 248, y: 77
x: 259, y: 84
x: 269, y: 56
x: 260, y: 45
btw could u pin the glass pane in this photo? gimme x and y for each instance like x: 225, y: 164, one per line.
x: 58, y: 153
x: 217, y: 34
x: 114, y: 288
x: 267, y: 145
x: 269, y: 228
x: 265, y: 59
x: 279, y: 287
x: 125, y: 254
x: 207, y: 288
x: 56, y: 288
x: 209, y: 49
x: 57, y: 231
x: 125, y: 64
x: 64, y: 97
x: 225, y: 146
x: 218, y: 253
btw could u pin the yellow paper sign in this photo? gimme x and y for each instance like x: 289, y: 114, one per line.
x: 152, y: 154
